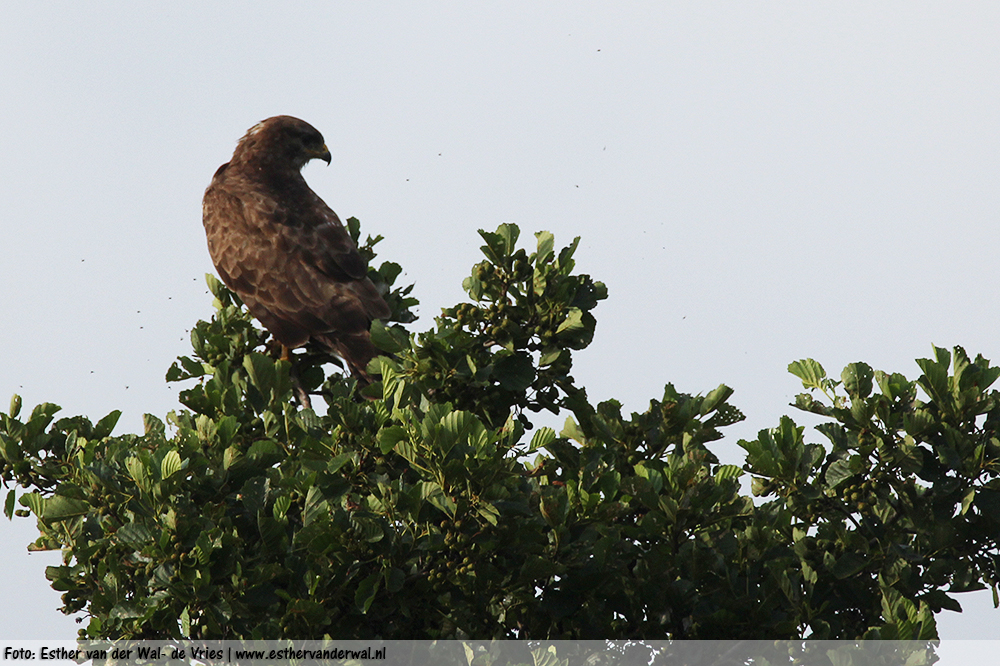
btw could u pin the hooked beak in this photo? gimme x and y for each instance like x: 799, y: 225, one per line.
x: 323, y: 154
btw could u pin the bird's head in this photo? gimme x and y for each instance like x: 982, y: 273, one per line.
x: 286, y: 139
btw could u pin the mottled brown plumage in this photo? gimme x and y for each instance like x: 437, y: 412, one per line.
x: 287, y: 255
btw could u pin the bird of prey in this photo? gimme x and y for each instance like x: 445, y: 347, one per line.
x: 284, y: 252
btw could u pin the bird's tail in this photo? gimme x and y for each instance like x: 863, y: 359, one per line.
x: 356, y: 351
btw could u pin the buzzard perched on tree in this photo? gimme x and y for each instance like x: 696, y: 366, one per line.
x: 287, y: 255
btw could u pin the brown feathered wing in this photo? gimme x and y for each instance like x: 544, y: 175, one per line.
x: 290, y: 259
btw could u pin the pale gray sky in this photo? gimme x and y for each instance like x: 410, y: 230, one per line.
x: 755, y: 183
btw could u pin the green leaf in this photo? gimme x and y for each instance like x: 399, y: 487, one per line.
x: 187, y: 369
x: 262, y: 450
x: 60, y: 578
x: 171, y: 464
x: 368, y: 529
x: 934, y: 379
x: 135, y: 535
x: 539, y: 281
x: 918, y: 422
x: 500, y: 244
x: 565, y: 261
x: 41, y: 417
x: 354, y: 228
x: 940, y: 600
x: 8, y: 506
x: 226, y: 429
x: 539, y: 568
x: 509, y: 232
x: 728, y: 472
x: 571, y: 430
x: 473, y: 286
x: 230, y: 456
x: 546, y: 243
x: 572, y: 322
x: 514, y: 372
x: 15, y: 406
x: 857, y: 378
x: 35, y: 503
x: 554, y: 505
x: 943, y: 356
x: 988, y: 503
x: 716, y: 397
x: 214, y: 285
x: 197, y: 342
x: 489, y: 512
x: 337, y: 462
x: 203, y: 548
x: 840, y: 470
x: 174, y: 373
x: 394, y: 579
x: 389, y: 271
x: 431, y: 492
x: 459, y: 424
x: 311, y: 423
x: 967, y: 499
x: 137, y: 470
x: 152, y: 426
x: 849, y: 564
x: 550, y: 355
x: 261, y: 371
x: 382, y: 338
x: 542, y: 438
x: 281, y: 506
x: 58, y: 508
x: 810, y: 372
x: 365, y: 594
x: 315, y: 507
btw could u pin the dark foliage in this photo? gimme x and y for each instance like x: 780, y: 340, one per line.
x: 434, y: 509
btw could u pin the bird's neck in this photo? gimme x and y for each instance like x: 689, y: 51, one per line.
x: 274, y: 173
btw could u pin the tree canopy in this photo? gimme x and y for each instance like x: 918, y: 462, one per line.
x: 428, y: 505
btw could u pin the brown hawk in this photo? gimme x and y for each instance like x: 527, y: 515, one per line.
x: 283, y: 251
